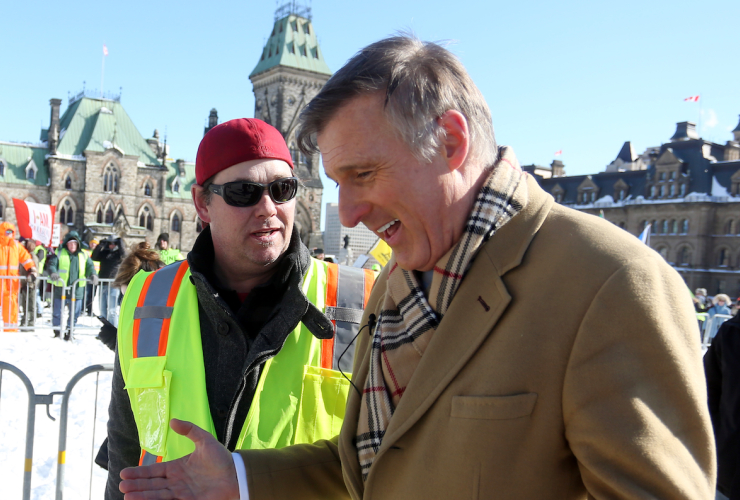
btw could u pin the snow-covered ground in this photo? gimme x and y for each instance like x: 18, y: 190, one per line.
x: 50, y: 363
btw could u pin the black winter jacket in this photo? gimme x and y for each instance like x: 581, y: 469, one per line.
x: 237, y: 339
x: 109, y: 259
x: 722, y: 368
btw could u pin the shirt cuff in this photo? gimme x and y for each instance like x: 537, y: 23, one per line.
x: 241, y: 476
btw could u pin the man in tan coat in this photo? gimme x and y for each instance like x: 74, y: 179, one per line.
x: 512, y: 348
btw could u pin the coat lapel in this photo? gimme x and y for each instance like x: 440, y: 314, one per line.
x: 479, y: 303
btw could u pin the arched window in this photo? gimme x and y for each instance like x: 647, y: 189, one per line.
x: 621, y: 194
x: 110, y: 179
x: 730, y: 227
x: 662, y: 191
x: 176, y: 223
x: 653, y: 191
x: 30, y: 174
x: 663, y: 251
x: 684, y: 256
x: 654, y: 226
x: 593, y: 196
x: 674, y: 227
x: 723, y: 258
x: 673, y: 190
x: 176, y: 186
x: 99, y: 215
x: 145, y: 218
x: 683, y: 190
x: 147, y: 189
x: 67, y: 213
x: 109, y: 215
x: 665, y: 228
x: 685, y: 226
x: 68, y: 182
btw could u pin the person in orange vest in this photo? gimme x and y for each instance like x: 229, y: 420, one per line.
x: 12, y: 255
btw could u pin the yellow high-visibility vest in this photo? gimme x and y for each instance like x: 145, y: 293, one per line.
x: 300, y: 396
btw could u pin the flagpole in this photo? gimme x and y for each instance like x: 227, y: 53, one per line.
x: 102, y: 73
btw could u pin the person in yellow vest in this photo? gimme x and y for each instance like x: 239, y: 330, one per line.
x: 67, y: 267
x: 166, y: 252
x: 238, y: 338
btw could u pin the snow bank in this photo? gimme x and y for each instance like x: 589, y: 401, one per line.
x: 50, y: 363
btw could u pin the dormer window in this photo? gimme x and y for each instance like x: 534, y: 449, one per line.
x: 672, y: 176
x: 176, y: 186
x: 653, y: 191
x: 2, y: 168
x: 31, y: 170
x: 661, y: 176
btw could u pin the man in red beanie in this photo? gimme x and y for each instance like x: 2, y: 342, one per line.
x: 238, y: 338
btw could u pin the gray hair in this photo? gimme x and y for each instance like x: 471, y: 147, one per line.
x: 421, y: 81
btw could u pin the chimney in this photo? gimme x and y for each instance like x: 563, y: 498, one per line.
x: 181, y: 167
x: 685, y: 131
x: 53, y: 136
x: 558, y: 169
x: 212, y: 121
x: 153, y: 142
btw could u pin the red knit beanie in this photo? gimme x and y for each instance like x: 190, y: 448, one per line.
x: 236, y: 141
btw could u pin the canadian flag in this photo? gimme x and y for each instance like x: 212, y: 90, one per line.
x: 105, y: 50
x: 35, y: 221
x: 693, y: 98
x: 558, y: 152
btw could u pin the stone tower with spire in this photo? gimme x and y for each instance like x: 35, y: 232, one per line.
x: 290, y: 72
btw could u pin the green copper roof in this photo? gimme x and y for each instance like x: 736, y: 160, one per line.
x: 100, y: 124
x: 292, y: 44
x: 16, y: 158
x: 184, y: 181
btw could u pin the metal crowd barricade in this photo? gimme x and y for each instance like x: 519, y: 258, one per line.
x: 103, y: 288
x: 63, y: 417
x: 47, y: 399
x: 33, y: 298
x: 33, y: 400
x: 711, y: 327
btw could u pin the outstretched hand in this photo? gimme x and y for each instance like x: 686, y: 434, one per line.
x: 206, y: 474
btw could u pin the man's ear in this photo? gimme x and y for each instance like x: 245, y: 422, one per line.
x: 199, y: 195
x: 456, y: 140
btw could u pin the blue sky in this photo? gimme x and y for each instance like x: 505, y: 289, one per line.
x: 577, y: 76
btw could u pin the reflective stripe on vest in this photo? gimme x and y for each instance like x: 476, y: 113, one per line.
x: 297, y: 372
x: 154, y: 310
x: 348, y: 289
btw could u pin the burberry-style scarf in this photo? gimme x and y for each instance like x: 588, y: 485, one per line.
x: 409, y: 319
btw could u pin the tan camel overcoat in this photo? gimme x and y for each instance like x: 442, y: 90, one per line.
x: 568, y: 366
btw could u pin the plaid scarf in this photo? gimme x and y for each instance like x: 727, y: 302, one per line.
x: 408, y: 319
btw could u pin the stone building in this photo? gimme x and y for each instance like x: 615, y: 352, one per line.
x: 102, y: 176
x: 290, y: 72
x: 687, y: 189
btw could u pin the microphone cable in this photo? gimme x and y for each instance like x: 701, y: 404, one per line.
x: 371, y: 322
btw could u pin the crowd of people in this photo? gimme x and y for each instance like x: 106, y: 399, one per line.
x: 76, y: 262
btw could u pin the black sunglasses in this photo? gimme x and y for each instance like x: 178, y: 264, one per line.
x: 246, y: 194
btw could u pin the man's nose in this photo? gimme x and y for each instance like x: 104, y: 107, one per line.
x: 265, y: 207
x: 352, y: 208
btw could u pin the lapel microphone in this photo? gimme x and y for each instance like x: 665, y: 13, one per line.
x: 372, y: 320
